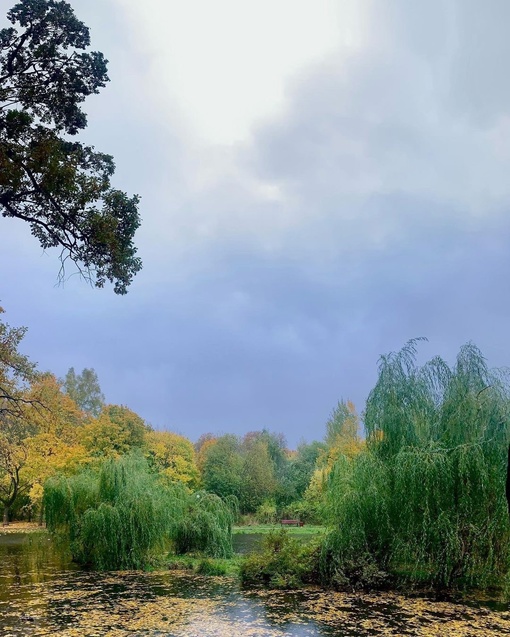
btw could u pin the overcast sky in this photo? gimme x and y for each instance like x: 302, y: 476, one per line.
x: 321, y: 180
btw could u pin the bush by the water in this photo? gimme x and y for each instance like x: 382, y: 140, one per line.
x: 209, y: 566
x: 206, y: 525
x: 425, y: 502
x: 281, y: 562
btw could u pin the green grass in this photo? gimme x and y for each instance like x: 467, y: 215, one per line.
x: 307, y: 529
x: 205, y: 565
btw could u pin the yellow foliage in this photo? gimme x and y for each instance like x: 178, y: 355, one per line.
x: 114, y: 432
x: 53, y: 411
x: 174, y: 456
x: 41, y: 441
x: 102, y: 437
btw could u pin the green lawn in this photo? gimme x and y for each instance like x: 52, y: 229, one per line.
x: 307, y: 529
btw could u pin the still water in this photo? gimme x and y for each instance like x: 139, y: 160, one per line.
x: 43, y: 594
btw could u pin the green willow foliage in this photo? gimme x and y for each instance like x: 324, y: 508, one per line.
x: 426, y: 501
x: 113, y: 519
x: 206, y: 526
x: 117, y: 517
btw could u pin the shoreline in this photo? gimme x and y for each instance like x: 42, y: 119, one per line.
x: 22, y: 527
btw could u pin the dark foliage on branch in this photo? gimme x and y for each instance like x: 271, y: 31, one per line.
x: 56, y: 184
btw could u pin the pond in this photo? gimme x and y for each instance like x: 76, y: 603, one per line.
x: 43, y: 594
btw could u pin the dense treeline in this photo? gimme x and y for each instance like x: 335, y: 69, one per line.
x: 64, y: 427
x: 419, y: 498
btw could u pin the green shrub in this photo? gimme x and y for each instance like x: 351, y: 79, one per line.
x: 180, y: 563
x: 353, y: 572
x: 209, y: 566
x: 266, y: 513
x: 281, y: 562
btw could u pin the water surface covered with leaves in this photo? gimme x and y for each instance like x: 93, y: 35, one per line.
x: 43, y: 594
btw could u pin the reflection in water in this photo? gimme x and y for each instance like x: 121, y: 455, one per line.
x: 42, y: 594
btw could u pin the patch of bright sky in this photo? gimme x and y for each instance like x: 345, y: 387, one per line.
x: 223, y: 65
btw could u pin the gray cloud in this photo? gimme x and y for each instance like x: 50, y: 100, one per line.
x: 390, y: 221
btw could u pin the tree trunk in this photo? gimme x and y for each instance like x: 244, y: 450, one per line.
x: 41, y: 515
x: 6, y: 515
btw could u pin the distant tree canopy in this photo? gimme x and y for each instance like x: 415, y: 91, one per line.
x: 84, y: 389
x: 61, y: 188
x: 115, y: 432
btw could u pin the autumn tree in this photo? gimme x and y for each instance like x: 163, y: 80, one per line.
x: 84, y: 389
x: 58, y: 185
x: 13, y: 459
x: 114, y: 432
x: 343, y: 425
x: 41, y: 440
x: 16, y: 371
x: 311, y: 468
x: 173, y: 456
x: 54, y: 444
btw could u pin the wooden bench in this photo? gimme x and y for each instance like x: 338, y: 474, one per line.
x: 291, y: 523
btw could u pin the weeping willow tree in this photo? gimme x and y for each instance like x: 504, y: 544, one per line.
x: 114, y: 518
x: 426, y: 500
x: 206, y: 526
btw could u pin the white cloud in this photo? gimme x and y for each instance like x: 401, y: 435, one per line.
x: 224, y: 64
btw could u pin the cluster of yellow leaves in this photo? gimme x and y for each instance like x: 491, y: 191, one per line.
x: 174, y: 456
x: 114, y: 432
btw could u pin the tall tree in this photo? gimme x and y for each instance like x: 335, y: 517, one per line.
x: 37, y: 441
x: 13, y: 458
x: 53, y: 442
x: 300, y: 469
x: 84, y: 389
x: 342, y: 426
x: 222, y: 466
x: 428, y: 490
x: 258, y: 475
x: 61, y: 188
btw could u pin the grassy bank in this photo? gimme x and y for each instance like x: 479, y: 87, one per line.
x: 204, y: 565
x: 308, y: 529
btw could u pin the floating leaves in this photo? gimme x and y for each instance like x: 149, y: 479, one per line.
x: 41, y: 595
x: 170, y: 604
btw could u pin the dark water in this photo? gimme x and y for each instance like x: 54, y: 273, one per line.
x: 43, y: 594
